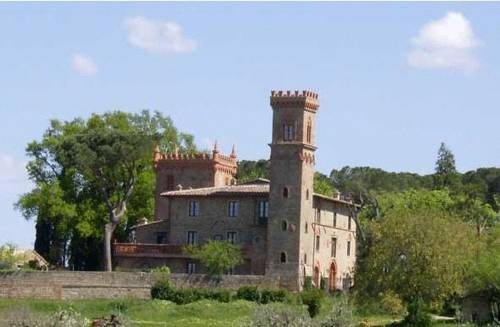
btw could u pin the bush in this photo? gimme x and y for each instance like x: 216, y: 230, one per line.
x: 249, y: 293
x: 162, y: 290
x: 268, y: 316
x: 312, y: 298
x: 391, y: 303
x: 308, y: 283
x: 324, y: 283
x: 269, y: 295
x: 341, y: 314
x: 417, y: 316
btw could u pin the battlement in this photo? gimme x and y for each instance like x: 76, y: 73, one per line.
x: 306, y: 99
x: 215, y: 159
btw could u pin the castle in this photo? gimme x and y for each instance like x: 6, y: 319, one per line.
x: 285, y: 230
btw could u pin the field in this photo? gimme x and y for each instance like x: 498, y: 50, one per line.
x: 154, y: 313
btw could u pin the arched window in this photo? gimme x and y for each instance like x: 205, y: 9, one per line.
x: 285, y: 192
x: 283, y: 257
x: 284, y: 225
x: 309, y: 131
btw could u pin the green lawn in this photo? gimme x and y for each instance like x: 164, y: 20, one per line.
x: 153, y: 313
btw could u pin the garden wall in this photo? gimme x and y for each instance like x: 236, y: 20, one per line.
x: 88, y: 285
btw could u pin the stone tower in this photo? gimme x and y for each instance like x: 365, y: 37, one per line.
x: 290, y: 236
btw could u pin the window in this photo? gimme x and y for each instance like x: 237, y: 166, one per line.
x: 306, y: 229
x: 283, y: 257
x: 217, y: 237
x: 307, y: 194
x: 232, y: 237
x: 170, y: 183
x: 285, y: 192
x: 334, y: 219
x: 192, y: 238
x: 289, y: 132
x: 309, y: 130
x: 317, y: 242
x: 263, y: 209
x: 348, y: 248
x: 230, y: 271
x: 305, y: 258
x: 349, y: 222
x: 318, y: 215
x: 191, y: 268
x: 194, y: 208
x: 232, y: 209
x: 334, y: 247
x: 284, y: 225
x: 161, y: 238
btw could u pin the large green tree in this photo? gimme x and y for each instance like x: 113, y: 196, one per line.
x: 418, y: 249
x: 92, y: 173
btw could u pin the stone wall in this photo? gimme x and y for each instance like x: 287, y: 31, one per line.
x: 87, y: 285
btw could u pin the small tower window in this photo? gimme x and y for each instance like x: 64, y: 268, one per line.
x: 283, y: 257
x: 305, y: 258
x: 288, y: 132
x: 285, y: 192
x: 284, y: 225
x: 306, y: 229
x: 309, y: 131
x: 349, y: 223
x: 307, y: 194
x: 317, y: 242
x: 348, y: 248
x: 170, y: 183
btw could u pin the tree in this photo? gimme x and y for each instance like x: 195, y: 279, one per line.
x: 323, y: 185
x: 419, y: 249
x: 217, y: 256
x: 68, y: 198
x: 485, y: 272
x: 446, y: 171
x: 8, y: 257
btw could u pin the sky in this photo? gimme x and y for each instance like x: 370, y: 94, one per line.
x: 394, y: 79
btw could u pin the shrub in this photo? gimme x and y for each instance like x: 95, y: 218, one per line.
x: 324, y: 283
x: 249, y: 293
x: 341, y: 314
x: 417, y: 316
x: 268, y: 316
x: 221, y: 295
x: 307, y: 283
x: 270, y: 295
x: 391, y: 303
x: 312, y: 298
x: 217, y: 256
x: 162, y: 290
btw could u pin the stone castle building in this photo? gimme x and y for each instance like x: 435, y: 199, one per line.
x: 285, y: 230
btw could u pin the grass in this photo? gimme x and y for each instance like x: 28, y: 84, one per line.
x: 157, y: 313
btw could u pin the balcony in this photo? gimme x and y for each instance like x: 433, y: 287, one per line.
x: 142, y: 250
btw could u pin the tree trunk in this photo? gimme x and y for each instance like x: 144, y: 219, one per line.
x: 109, y: 228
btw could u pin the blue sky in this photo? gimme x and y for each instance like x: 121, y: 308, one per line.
x: 394, y: 79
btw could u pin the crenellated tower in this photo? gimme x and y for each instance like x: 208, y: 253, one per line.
x: 183, y: 171
x: 289, y: 236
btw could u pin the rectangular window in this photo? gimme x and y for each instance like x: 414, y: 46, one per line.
x: 191, y: 268
x: 348, y: 248
x: 334, y: 247
x: 349, y: 221
x: 218, y: 237
x: 288, y: 132
x: 232, y: 237
x: 194, y: 208
x: 334, y: 219
x: 170, y: 183
x: 192, y: 238
x: 317, y: 243
x: 318, y: 215
x: 232, y: 208
x: 230, y: 271
x: 161, y: 238
x: 263, y: 209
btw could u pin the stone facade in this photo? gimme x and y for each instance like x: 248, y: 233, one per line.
x: 286, y: 231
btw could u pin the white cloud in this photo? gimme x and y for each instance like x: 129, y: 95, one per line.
x: 83, y: 65
x: 448, y: 42
x: 161, y: 37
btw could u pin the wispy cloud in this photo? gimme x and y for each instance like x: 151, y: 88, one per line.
x: 448, y: 42
x: 83, y: 65
x: 160, y: 37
